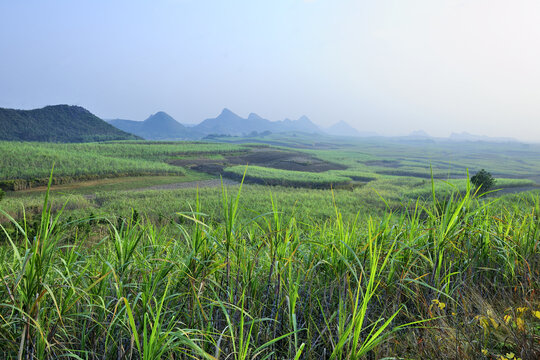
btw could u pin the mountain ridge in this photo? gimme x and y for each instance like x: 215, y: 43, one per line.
x: 465, y: 136
x: 342, y: 128
x: 57, y: 123
x: 161, y: 126
x: 158, y: 126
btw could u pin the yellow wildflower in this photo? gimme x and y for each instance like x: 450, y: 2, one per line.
x: 442, y: 305
x: 507, y: 318
x: 484, y: 322
x: 510, y: 355
x: 537, y: 314
x: 520, y: 324
x: 485, y: 352
x: 521, y: 309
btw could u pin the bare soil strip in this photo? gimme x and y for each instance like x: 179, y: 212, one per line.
x: 189, y: 185
x: 180, y: 185
x: 277, y: 159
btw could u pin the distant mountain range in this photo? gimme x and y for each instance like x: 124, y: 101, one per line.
x: 58, y: 123
x: 228, y: 123
x: 65, y: 123
x: 465, y: 136
x: 457, y: 137
x: 344, y: 129
x: 162, y: 126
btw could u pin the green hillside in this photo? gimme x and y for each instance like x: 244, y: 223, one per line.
x: 58, y: 123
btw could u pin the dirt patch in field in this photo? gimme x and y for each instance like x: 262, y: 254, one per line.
x: 181, y: 185
x: 284, y: 160
x: 193, y: 162
x: 213, y: 169
x: 277, y: 159
x: 189, y: 185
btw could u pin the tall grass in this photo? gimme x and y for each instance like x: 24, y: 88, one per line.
x: 30, y: 161
x: 448, y: 279
x: 25, y: 164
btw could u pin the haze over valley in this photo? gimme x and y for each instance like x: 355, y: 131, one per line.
x: 386, y: 67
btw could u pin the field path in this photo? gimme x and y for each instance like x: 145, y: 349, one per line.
x: 189, y: 184
x: 179, y: 185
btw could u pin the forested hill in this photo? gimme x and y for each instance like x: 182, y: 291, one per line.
x: 58, y: 123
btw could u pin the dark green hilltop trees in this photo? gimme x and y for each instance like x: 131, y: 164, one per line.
x: 483, y: 180
x: 58, y: 123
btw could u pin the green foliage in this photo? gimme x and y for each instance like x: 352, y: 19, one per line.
x: 271, y: 176
x: 2, y: 193
x: 269, y: 285
x: 400, y: 157
x: 240, y: 273
x: 384, y: 165
x: 60, y: 123
x: 483, y: 180
x: 32, y: 161
x: 25, y: 165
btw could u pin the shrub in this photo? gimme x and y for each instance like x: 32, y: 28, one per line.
x: 483, y: 180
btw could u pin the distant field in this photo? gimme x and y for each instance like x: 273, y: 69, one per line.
x: 114, y: 184
x: 382, y: 155
x: 327, y: 246
x: 269, y: 176
x: 25, y: 165
x: 393, y: 170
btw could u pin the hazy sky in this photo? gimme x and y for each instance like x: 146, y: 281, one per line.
x: 381, y: 65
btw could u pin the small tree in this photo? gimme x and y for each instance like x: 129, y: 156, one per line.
x: 483, y: 180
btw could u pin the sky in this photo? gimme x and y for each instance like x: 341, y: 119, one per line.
x: 392, y: 67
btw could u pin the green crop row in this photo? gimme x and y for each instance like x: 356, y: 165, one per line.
x: 270, y: 176
x: 34, y: 161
